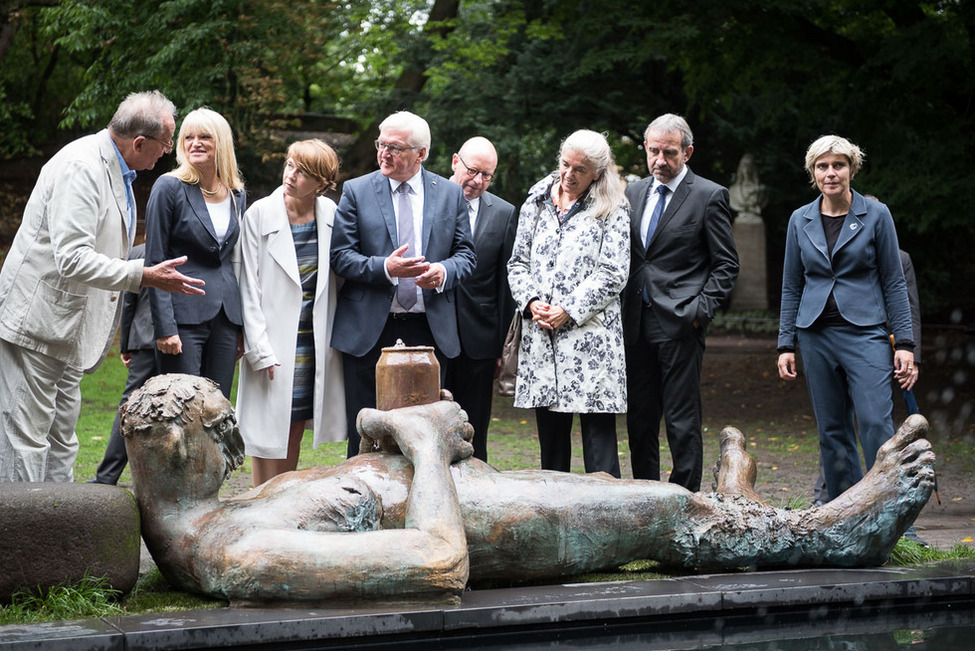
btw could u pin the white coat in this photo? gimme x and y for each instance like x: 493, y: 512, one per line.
x: 271, y: 298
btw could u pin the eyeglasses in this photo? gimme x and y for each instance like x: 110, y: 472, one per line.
x: 395, y: 150
x: 167, y: 146
x: 473, y: 171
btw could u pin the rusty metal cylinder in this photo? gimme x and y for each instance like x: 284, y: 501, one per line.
x: 407, y: 376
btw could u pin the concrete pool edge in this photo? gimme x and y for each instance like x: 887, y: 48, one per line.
x: 504, y: 611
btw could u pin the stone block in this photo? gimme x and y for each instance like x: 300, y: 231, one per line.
x: 52, y: 533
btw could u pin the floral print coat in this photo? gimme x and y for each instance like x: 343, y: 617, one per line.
x: 580, y: 265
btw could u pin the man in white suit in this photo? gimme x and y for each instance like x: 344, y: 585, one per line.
x: 61, y: 280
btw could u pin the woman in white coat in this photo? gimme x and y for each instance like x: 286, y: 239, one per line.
x: 570, y: 261
x: 290, y: 376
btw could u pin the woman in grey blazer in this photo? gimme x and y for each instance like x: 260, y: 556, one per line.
x: 842, y: 283
x: 195, y: 211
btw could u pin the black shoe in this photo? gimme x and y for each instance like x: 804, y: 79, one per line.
x: 911, y: 534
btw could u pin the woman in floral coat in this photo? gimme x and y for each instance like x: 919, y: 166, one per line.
x: 569, y: 263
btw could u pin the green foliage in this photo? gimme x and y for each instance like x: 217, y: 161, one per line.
x: 91, y: 597
x: 766, y: 77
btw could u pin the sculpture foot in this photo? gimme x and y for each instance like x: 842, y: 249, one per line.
x: 865, y: 522
x: 734, y: 473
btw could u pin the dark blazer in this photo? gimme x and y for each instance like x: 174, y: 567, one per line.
x: 484, y: 303
x: 691, y: 264
x: 864, y: 273
x: 913, y: 301
x: 136, y: 331
x: 177, y: 224
x: 365, y: 234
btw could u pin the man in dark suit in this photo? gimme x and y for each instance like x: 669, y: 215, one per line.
x: 484, y: 303
x: 683, y: 265
x: 137, y: 348
x: 402, y: 242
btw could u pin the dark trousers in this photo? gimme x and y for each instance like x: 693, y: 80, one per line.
x: 209, y: 350
x: 471, y: 381
x: 663, y: 378
x: 142, y: 366
x: 599, y: 446
x: 360, y: 372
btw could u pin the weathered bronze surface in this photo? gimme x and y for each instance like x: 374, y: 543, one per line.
x: 407, y: 376
x: 420, y: 517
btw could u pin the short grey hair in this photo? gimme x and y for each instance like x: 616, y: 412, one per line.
x: 834, y: 145
x: 141, y: 114
x: 417, y: 126
x: 668, y: 123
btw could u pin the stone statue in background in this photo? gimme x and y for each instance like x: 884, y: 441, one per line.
x: 748, y: 198
x: 747, y: 192
x: 420, y: 517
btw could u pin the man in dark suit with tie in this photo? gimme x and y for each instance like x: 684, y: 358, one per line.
x: 484, y: 303
x: 137, y: 348
x: 402, y: 242
x: 683, y: 265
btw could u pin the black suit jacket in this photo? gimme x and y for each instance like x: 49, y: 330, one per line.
x: 484, y: 303
x: 691, y: 264
x: 136, y: 325
x: 178, y: 223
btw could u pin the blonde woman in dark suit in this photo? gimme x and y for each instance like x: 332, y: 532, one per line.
x: 195, y: 211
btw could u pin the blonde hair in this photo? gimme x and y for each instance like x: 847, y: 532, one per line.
x: 606, y: 192
x: 833, y: 145
x: 316, y: 159
x: 208, y: 121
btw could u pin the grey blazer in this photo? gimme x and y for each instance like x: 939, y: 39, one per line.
x: 365, y: 234
x: 691, y: 264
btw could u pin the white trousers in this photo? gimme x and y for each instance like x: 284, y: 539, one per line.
x: 40, y: 400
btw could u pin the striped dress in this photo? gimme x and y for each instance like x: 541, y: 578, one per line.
x: 306, y: 250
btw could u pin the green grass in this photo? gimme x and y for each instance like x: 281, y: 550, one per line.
x: 91, y: 597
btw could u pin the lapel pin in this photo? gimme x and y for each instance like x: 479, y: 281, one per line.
x: 853, y: 227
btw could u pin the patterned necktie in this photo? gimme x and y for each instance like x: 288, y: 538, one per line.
x: 406, y: 287
x: 658, y: 210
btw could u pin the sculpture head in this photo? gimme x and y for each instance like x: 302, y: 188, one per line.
x: 182, y: 426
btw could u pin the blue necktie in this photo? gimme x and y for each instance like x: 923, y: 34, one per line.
x: 406, y: 287
x: 658, y: 210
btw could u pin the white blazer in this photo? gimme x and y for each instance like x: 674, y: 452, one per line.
x: 271, y: 298
x: 60, y: 282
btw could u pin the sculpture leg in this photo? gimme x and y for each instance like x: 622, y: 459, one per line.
x: 535, y: 524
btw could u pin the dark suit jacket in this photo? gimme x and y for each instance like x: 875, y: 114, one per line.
x: 691, y: 264
x: 136, y: 325
x: 484, y: 303
x: 365, y: 234
x: 913, y: 301
x: 178, y: 223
